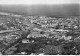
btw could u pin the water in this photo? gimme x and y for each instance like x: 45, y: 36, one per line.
x: 63, y: 10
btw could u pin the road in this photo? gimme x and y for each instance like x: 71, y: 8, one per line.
x: 7, y: 31
x: 23, y: 36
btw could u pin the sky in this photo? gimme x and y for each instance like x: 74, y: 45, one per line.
x: 31, y: 2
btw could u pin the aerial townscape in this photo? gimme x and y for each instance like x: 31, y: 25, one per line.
x: 35, y: 35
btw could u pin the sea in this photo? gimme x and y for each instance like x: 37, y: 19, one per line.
x: 60, y: 10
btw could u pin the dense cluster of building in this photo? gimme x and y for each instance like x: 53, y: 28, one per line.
x: 47, y: 33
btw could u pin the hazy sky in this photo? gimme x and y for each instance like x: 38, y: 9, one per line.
x: 31, y: 2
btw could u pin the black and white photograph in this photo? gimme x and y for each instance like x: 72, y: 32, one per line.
x: 39, y: 27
